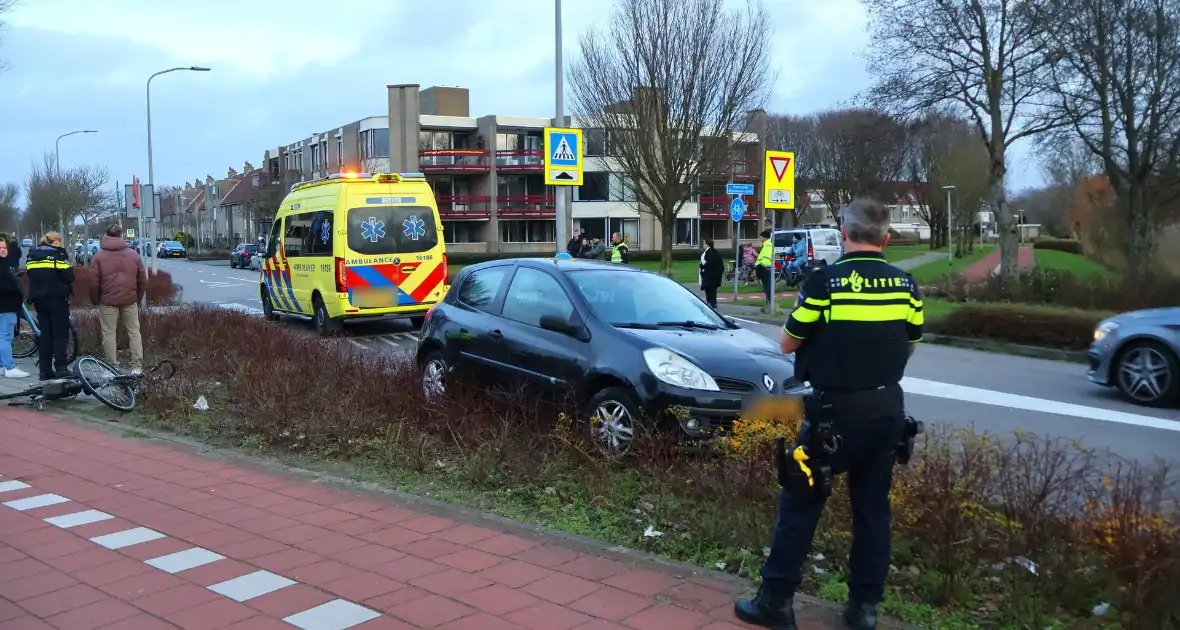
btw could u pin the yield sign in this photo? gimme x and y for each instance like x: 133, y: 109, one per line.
x: 780, y: 165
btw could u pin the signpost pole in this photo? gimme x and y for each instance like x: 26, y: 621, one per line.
x: 737, y: 210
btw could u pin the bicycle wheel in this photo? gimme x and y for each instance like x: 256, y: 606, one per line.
x: 106, y: 383
x: 24, y: 340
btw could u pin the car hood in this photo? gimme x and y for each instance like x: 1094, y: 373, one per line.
x: 740, y: 354
x: 1171, y: 314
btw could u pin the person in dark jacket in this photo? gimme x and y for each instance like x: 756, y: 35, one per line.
x: 13, y: 256
x: 10, y: 302
x: 711, y: 271
x: 51, y: 280
x: 575, y: 245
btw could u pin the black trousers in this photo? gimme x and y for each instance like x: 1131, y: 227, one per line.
x: 53, y: 318
x: 711, y: 296
x: 866, y: 456
x: 766, y: 280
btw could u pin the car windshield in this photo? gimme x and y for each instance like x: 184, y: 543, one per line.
x: 172, y: 244
x: 627, y: 298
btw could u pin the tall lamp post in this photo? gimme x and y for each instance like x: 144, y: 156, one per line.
x: 562, y: 202
x: 151, y: 173
x: 57, y: 171
x: 950, y: 249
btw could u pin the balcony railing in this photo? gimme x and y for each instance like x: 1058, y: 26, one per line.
x: 453, y: 160
x: 519, y: 160
x: 464, y: 206
x: 743, y: 170
x: 718, y: 208
x: 526, y: 206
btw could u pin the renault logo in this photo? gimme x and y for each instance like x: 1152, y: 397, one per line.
x: 768, y: 382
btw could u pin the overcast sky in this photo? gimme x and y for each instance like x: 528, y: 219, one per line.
x: 283, y: 69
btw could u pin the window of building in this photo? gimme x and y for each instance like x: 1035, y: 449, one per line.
x: 595, y: 187
x: 480, y: 288
x: 592, y: 227
x: 629, y: 228
x: 435, y: 140
x: 716, y: 230
x: 750, y: 229
x: 362, y: 140
x: 509, y: 141
x: 339, y: 150
x: 534, y: 294
x: 462, y: 231
x: 595, y: 142
x: 687, y: 232
x: 534, y: 231
x: 324, y: 155
x: 380, y: 142
x: 622, y: 187
x: 315, y: 156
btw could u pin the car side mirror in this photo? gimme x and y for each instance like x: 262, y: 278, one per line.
x: 732, y: 323
x: 564, y: 326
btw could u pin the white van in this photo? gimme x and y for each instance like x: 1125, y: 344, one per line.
x: 823, y: 242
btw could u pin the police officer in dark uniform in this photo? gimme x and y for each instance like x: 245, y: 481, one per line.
x: 51, y: 279
x: 853, y: 330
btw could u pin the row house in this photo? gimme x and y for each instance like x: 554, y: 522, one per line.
x: 220, y: 213
x: 488, y: 180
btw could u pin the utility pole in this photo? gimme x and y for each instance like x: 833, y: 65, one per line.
x: 563, y: 193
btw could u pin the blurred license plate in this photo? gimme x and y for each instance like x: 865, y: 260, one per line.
x: 374, y: 297
x: 774, y: 408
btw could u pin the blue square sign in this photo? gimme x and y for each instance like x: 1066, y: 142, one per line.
x: 564, y: 146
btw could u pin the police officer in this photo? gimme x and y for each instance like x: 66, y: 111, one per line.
x: 763, y: 266
x: 853, y: 330
x: 51, y: 279
x: 618, y: 249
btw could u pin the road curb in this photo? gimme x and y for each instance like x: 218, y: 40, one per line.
x: 1001, y: 347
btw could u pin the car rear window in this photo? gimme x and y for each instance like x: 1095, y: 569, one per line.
x: 250, y: 248
x: 377, y: 230
x: 785, y: 239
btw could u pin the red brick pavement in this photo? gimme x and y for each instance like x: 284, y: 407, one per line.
x: 985, y: 267
x: 118, y: 533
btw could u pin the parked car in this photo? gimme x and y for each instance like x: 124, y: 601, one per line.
x: 171, y: 249
x: 28, y: 242
x: 656, y: 346
x: 240, y: 257
x: 823, y: 243
x: 1139, y: 354
x: 256, y: 261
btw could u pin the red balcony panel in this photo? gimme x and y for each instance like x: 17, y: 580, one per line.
x: 526, y: 206
x: 464, y: 206
x: 743, y: 170
x: 519, y: 161
x: 453, y: 161
x: 718, y: 208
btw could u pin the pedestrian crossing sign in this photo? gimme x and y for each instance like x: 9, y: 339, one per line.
x: 563, y: 157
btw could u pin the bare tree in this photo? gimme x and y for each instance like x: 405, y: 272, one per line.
x: 5, y: 7
x: 10, y: 212
x: 985, y: 59
x: 666, y: 76
x: 945, y: 150
x: 799, y: 134
x: 1117, y: 84
x: 56, y: 198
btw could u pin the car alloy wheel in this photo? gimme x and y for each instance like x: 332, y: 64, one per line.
x: 1144, y: 374
x: 612, y: 428
x: 434, y: 378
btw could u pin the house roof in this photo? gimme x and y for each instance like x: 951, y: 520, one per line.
x: 247, y: 189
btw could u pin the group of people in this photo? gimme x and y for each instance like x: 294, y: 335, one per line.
x: 592, y: 248
x: 118, y: 282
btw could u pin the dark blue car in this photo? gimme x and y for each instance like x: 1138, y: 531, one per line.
x: 171, y: 249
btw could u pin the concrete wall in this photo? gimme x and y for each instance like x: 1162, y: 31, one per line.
x: 404, y: 109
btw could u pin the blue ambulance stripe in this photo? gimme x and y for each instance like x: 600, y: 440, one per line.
x: 286, y: 275
x: 275, y: 295
x: 372, y: 276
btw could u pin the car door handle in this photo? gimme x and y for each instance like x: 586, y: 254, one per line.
x: 495, y: 334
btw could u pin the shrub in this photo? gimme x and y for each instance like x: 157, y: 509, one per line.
x: 1021, y: 324
x: 1004, y: 531
x: 1062, y: 288
x: 208, y: 254
x: 160, y: 289
x: 1069, y: 246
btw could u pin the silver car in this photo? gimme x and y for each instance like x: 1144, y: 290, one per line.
x: 1139, y: 353
x: 256, y: 261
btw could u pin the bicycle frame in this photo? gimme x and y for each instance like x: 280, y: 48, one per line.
x: 24, y: 314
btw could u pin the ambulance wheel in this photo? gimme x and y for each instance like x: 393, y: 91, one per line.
x: 417, y: 322
x: 325, y: 326
x: 268, y: 309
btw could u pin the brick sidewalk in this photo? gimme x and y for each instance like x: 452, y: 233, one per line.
x: 985, y: 267
x: 98, y: 531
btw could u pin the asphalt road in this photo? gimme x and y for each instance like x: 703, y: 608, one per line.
x: 993, y: 392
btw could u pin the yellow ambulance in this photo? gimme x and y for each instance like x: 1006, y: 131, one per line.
x: 355, y: 246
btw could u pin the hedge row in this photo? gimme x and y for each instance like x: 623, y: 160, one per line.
x: 1058, y: 287
x: 972, y: 512
x: 1059, y: 244
x: 1019, y: 324
x: 160, y: 289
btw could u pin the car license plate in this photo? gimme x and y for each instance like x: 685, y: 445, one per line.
x: 774, y: 409
x: 373, y: 297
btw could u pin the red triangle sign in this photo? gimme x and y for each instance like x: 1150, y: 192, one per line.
x: 780, y: 164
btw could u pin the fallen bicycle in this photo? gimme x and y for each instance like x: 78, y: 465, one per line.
x: 94, y: 377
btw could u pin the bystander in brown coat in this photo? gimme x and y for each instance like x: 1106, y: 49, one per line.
x: 118, y: 281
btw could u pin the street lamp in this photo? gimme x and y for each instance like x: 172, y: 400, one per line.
x: 950, y: 251
x: 151, y: 173
x: 57, y: 166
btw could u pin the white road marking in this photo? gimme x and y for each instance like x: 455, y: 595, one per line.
x: 235, y: 306
x: 31, y: 503
x: 935, y: 389
x: 184, y: 560
x: 337, y: 614
x: 84, y: 517
x: 388, y: 342
x: 9, y: 486
x: 127, y: 537
x: 251, y: 585
x: 358, y: 344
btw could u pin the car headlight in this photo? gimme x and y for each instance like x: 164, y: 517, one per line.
x: 1104, y: 329
x: 674, y: 369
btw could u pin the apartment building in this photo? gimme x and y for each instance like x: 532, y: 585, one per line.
x: 487, y: 176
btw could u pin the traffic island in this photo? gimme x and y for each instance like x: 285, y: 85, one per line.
x: 972, y: 512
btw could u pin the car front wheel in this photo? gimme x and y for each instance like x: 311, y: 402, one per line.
x: 1148, y: 373
x: 614, y: 421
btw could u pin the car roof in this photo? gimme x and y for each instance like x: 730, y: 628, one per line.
x: 559, y: 264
